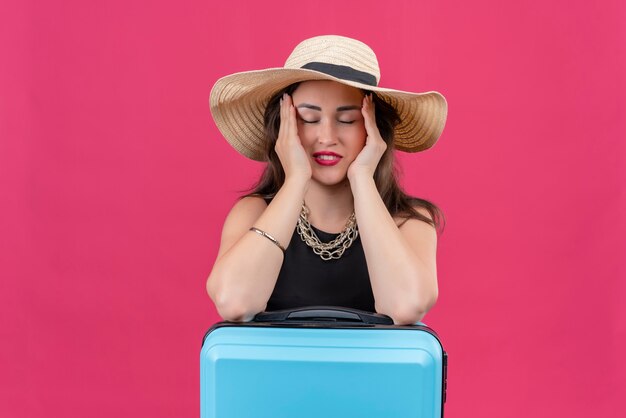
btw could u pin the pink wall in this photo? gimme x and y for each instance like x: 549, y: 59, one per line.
x: 114, y: 183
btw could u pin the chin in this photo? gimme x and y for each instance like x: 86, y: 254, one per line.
x: 331, y: 176
x: 331, y: 181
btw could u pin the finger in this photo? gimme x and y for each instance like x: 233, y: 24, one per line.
x: 287, y: 110
x: 369, y: 117
x: 293, y: 122
x: 284, y: 118
x: 289, y: 127
x: 280, y: 116
x: 283, y: 114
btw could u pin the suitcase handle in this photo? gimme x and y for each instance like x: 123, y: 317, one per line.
x: 324, y: 314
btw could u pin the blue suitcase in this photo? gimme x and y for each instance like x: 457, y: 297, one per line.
x: 321, y: 362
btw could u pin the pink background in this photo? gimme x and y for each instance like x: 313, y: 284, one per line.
x: 115, y: 182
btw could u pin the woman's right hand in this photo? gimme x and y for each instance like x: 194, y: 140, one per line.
x: 292, y: 155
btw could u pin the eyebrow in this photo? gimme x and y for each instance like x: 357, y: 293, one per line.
x: 339, y: 109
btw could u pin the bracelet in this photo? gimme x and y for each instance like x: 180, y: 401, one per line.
x: 268, y: 236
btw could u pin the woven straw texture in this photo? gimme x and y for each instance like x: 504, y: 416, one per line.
x: 238, y: 100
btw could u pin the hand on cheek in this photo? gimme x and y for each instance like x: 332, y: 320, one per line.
x: 366, y: 162
x: 288, y: 147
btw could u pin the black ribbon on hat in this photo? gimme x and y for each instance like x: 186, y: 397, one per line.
x: 342, y: 71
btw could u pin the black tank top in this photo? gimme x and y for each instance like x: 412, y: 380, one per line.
x: 305, y: 279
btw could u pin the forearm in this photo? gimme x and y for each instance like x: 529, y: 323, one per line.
x: 402, y: 284
x: 281, y: 215
x: 244, y: 277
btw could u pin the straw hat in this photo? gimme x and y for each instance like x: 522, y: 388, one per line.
x: 238, y: 100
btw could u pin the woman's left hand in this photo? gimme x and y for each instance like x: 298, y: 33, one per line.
x: 366, y: 162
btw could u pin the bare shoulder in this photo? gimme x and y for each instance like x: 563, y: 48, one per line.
x: 401, y: 221
x: 241, y: 217
x: 246, y: 209
x: 421, y: 236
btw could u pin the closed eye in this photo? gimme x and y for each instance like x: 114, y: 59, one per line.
x: 309, y: 121
x: 347, y: 121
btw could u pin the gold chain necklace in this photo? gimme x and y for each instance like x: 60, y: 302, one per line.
x: 327, y: 250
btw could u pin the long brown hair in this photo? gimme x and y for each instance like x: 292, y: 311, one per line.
x: 398, y: 203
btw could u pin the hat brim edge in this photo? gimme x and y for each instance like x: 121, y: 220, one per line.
x: 273, y: 80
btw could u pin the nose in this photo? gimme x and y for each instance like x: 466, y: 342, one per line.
x: 327, y: 134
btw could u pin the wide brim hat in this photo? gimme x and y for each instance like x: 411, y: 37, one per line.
x: 238, y: 101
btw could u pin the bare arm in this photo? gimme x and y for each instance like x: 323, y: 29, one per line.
x: 247, y: 266
x: 401, y: 261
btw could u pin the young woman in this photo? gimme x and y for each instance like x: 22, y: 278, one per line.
x: 327, y: 224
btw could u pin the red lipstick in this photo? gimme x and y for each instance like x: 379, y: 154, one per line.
x: 327, y: 158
